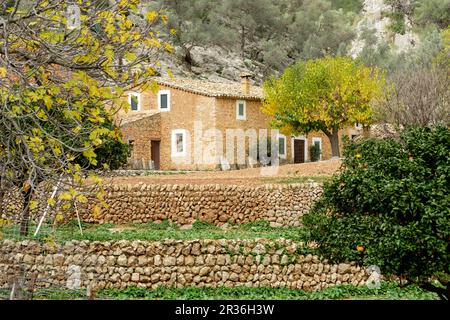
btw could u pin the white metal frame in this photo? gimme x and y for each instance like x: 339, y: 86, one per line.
x: 175, y: 152
x: 306, y: 147
x: 139, y: 100
x: 283, y: 156
x: 239, y: 117
x: 160, y: 92
x: 314, y: 139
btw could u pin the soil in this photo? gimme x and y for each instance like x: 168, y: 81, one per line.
x: 252, y: 176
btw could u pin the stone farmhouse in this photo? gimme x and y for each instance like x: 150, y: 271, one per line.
x: 198, y: 125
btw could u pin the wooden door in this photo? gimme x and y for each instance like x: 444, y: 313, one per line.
x: 156, y: 153
x: 299, y: 151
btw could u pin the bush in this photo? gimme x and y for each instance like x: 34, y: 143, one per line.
x: 391, y: 201
x: 315, y: 152
x: 113, y: 152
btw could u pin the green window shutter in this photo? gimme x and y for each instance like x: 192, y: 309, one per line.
x: 134, y: 103
x: 281, y: 149
x: 163, y: 101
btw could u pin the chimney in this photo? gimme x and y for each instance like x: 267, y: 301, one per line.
x: 245, y: 82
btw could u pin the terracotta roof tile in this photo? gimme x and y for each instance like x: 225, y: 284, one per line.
x: 132, y: 116
x: 212, y: 89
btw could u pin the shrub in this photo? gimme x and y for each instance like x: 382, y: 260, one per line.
x: 392, y: 201
x: 113, y: 152
x: 315, y: 152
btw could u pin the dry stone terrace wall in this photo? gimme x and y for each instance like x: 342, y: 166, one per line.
x: 282, y: 205
x: 203, y: 263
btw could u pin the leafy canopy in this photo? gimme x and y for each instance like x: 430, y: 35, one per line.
x: 392, y: 197
x: 62, y: 83
x: 322, y: 94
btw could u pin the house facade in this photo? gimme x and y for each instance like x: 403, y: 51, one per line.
x: 197, y: 125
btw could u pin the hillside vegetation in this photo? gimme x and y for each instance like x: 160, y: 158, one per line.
x: 219, y: 39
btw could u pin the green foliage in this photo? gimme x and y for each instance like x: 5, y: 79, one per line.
x: 388, y: 290
x: 397, y: 24
x: 393, y: 198
x: 315, y: 152
x: 299, y: 179
x: 348, y: 5
x: 322, y: 95
x: 433, y: 12
x: 111, y: 154
x: 275, y: 33
x: 152, y: 231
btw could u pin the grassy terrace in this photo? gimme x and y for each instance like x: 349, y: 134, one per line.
x: 387, y: 291
x: 298, y: 179
x: 158, y: 231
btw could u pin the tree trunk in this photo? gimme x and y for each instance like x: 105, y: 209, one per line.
x: 2, y: 195
x: 243, y: 42
x: 334, y: 141
x: 444, y: 294
x: 366, y: 131
x: 26, y: 212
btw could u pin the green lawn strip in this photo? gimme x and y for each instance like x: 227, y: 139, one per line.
x: 156, y: 231
x: 387, y: 291
x: 298, y: 179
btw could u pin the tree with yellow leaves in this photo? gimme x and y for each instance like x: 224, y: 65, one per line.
x: 64, y: 67
x: 323, y: 95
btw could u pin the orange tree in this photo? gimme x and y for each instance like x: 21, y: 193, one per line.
x: 323, y: 95
x: 64, y: 67
x: 390, y: 207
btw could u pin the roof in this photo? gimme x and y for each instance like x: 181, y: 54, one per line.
x: 212, y: 89
x: 383, y: 130
x: 129, y: 117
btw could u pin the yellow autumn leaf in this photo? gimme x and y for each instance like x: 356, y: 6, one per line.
x: 89, y: 154
x: 51, y: 201
x: 151, y: 16
x: 130, y: 56
x: 82, y: 198
x: 96, y: 211
x: 65, y: 196
x: 33, y: 204
x: 3, y: 72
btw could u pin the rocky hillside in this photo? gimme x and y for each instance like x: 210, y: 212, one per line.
x: 218, y: 43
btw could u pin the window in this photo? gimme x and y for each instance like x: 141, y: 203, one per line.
x: 241, y: 113
x: 317, y: 143
x: 164, y: 100
x: 282, y: 146
x: 178, y: 143
x: 134, y: 99
x: 131, y: 145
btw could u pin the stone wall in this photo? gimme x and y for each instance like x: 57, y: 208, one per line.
x: 203, y: 263
x: 281, y: 205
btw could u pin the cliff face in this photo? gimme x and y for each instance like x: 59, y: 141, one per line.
x: 375, y: 15
x: 215, y: 64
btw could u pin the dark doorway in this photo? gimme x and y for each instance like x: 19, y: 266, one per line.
x: 156, y: 153
x: 299, y: 151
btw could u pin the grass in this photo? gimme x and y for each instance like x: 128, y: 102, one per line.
x: 165, y: 173
x: 156, y: 231
x: 387, y: 291
x: 299, y: 179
